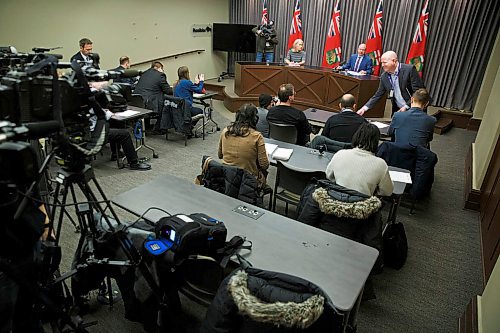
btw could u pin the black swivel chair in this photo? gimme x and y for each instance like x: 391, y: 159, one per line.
x: 283, y: 132
x: 176, y: 115
x: 291, y: 181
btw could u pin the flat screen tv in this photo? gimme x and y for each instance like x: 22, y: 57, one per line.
x: 233, y: 37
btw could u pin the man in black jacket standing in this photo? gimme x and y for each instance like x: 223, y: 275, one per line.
x: 399, y: 80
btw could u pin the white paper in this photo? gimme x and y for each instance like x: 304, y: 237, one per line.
x: 195, y: 95
x: 125, y: 114
x: 354, y: 73
x: 402, y: 177
x: 270, y: 148
x: 282, y: 154
x: 379, y: 124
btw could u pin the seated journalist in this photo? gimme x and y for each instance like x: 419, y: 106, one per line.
x: 284, y: 113
x: 184, y: 88
x: 371, y: 174
x: 125, y: 64
x: 152, y: 86
x: 265, y: 102
x: 414, y: 127
x: 342, y: 126
x: 241, y: 145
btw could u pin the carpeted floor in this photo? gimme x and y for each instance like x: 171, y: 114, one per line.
x: 428, y: 294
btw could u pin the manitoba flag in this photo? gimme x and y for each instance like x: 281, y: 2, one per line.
x: 374, y: 41
x: 265, y: 15
x: 296, y: 28
x: 333, y: 43
x: 417, y: 48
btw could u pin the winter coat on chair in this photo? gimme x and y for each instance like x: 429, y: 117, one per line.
x: 232, y: 181
x: 255, y: 300
x: 342, y: 211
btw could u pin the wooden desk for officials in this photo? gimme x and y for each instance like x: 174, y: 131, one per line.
x: 315, y: 87
x: 337, y: 265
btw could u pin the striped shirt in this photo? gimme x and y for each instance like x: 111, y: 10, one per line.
x: 296, y: 56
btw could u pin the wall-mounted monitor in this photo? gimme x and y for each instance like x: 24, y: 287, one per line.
x: 233, y: 37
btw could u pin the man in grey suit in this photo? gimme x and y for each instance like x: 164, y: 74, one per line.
x: 399, y: 80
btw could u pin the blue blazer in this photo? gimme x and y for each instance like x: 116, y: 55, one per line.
x: 366, y: 64
x: 412, y: 128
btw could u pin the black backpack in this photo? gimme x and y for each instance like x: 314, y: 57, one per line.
x: 192, y: 234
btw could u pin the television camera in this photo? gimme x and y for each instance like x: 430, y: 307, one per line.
x: 41, y: 97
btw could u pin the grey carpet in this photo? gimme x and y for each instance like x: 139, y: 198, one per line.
x: 428, y: 294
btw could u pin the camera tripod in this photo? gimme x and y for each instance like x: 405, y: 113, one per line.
x: 67, y: 180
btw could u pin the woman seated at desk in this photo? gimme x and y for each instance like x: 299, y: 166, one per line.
x: 296, y: 56
x: 345, y: 203
x: 241, y: 145
x: 184, y: 88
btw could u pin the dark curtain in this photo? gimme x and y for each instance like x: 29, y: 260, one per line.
x: 461, y: 35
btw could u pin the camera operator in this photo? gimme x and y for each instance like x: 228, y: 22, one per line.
x: 266, y: 39
x: 19, y: 271
x: 85, y: 54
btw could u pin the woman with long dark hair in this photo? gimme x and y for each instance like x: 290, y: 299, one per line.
x: 243, y: 146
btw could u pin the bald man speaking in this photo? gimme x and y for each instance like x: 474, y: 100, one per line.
x: 399, y: 80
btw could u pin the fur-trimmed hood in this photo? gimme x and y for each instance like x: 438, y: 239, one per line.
x: 361, y: 209
x: 281, y: 314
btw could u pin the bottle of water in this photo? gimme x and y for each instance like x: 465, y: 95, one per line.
x: 267, y: 62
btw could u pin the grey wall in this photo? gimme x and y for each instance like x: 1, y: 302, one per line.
x: 140, y: 29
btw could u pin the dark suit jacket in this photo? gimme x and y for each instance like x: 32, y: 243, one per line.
x: 412, y: 128
x: 78, y: 57
x: 152, y: 86
x: 342, y: 126
x: 366, y: 64
x: 409, y: 82
x: 284, y: 114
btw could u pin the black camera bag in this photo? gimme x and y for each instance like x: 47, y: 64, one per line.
x: 194, y: 234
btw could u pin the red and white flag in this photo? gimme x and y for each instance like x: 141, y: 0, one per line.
x: 417, y: 48
x: 296, y: 28
x: 265, y: 14
x: 333, y: 43
x: 374, y: 41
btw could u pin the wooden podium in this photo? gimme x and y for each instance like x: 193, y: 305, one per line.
x: 315, y: 87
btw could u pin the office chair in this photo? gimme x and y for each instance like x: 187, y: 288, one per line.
x: 136, y: 100
x: 234, y: 182
x: 283, y: 132
x: 292, y: 182
x: 176, y: 115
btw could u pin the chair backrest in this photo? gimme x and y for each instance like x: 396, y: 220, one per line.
x: 136, y: 100
x: 331, y: 146
x: 175, y: 113
x: 232, y: 181
x: 283, y: 132
x: 126, y: 90
x: 293, y: 179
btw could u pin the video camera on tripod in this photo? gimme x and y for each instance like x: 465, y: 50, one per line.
x: 36, y: 101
